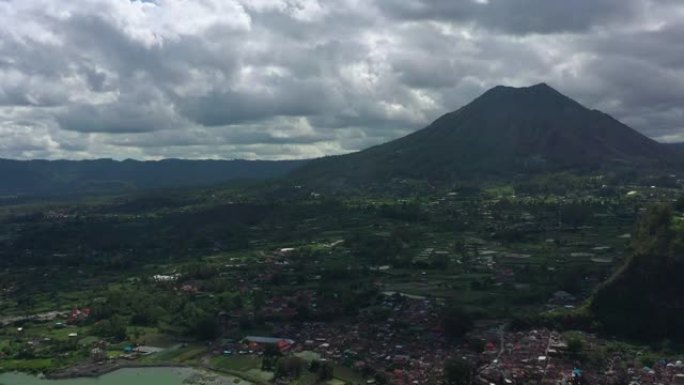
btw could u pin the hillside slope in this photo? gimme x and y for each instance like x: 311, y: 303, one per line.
x: 643, y: 300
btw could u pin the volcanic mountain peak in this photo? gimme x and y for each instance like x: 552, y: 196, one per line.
x: 539, y: 88
x: 504, y: 130
x: 534, y: 91
x: 540, y: 97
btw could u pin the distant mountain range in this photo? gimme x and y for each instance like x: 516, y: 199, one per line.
x: 504, y: 130
x: 42, y: 177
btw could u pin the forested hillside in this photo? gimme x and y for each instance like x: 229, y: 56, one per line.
x: 106, y: 175
x: 644, y: 298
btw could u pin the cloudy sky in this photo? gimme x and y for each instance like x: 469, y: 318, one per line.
x: 275, y: 79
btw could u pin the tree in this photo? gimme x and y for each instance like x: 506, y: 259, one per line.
x: 653, y: 232
x: 145, y: 312
x: 326, y: 371
x: 456, y: 322
x: 197, y: 322
x: 238, y: 302
x: 115, y: 327
x: 575, y: 213
x: 381, y: 378
x: 290, y: 367
x: 575, y: 346
x: 25, y: 302
x: 679, y: 203
x: 441, y: 261
x: 271, y: 356
x: 458, y: 371
x: 204, y: 327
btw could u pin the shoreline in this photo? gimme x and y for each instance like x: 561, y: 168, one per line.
x: 97, y: 370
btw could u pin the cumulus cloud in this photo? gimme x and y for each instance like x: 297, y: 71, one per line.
x: 276, y: 79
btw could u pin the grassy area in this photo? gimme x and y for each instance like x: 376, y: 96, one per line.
x: 27, y: 365
x: 238, y: 363
x: 347, y: 375
x: 246, y: 367
x: 181, y: 354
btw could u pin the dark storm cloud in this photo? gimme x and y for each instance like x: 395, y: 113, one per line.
x: 303, y: 78
x: 116, y: 118
x: 517, y: 16
x: 229, y: 108
x: 282, y: 133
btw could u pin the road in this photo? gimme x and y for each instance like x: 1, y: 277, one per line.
x: 46, y: 316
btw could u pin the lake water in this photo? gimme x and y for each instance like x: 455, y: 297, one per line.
x: 132, y: 376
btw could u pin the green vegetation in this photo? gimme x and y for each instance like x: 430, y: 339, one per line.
x: 459, y: 372
x: 646, y: 291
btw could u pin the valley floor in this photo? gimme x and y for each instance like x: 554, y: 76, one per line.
x: 490, y: 286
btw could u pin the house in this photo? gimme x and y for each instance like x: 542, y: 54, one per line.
x: 98, y: 355
x: 562, y: 298
x: 165, y: 278
x: 147, y: 350
x: 283, y: 344
x: 77, y: 315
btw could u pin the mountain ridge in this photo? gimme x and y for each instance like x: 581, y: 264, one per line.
x: 54, y: 177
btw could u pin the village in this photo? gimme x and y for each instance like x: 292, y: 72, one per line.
x: 397, y: 339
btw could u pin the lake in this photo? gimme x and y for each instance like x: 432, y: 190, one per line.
x: 132, y: 376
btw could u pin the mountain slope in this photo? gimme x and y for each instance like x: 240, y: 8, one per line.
x: 505, y: 129
x: 677, y: 148
x: 106, y: 175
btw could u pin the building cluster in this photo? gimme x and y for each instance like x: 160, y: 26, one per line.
x: 536, y: 356
x: 401, y: 340
x: 633, y: 372
x: 543, y: 357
